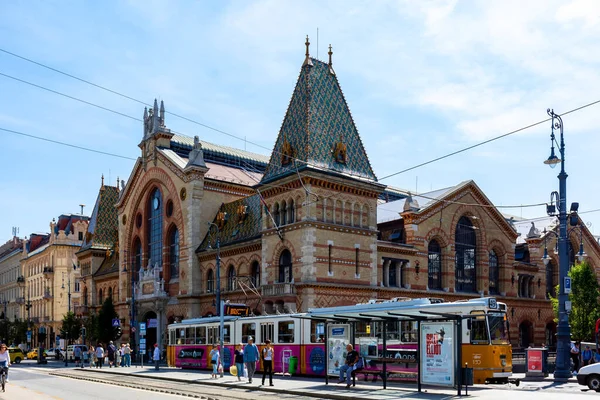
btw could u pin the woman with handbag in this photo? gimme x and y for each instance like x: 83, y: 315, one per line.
x: 215, y: 358
x: 268, y: 354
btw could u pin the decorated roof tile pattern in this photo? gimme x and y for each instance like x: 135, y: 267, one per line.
x: 103, y: 229
x: 109, y: 265
x: 238, y: 227
x: 317, y: 119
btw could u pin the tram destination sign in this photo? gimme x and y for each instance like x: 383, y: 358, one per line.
x: 238, y: 310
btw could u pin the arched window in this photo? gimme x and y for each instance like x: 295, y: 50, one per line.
x: 255, y: 273
x: 210, y: 281
x: 434, y: 265
x: 231, y: 278
x: 285, y: 266
x: 550, y: 285
x: 494, y: 273
x: 155, y: 228
x: 291, y: 213
x: 85, y: 296
x: 100, y: 296
x: 276, y: 214
x: 465, y: 257
x: 174, y: 253
x: 110, y: 293
x: 137, y: 251
x: 283, y: 213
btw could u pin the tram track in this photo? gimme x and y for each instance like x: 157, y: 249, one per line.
x: 186, y: 389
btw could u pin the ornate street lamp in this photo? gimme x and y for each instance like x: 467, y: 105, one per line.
x: 219, y: 302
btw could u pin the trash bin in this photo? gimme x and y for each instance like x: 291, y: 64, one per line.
x: 293, y: 365
x: 467, y: 377
x: 537, y: 362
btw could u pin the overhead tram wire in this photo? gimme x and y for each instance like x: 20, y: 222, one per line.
x: 253, y: 143
x: 267, y: 148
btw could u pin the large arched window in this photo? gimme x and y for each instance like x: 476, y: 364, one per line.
x: 110, y: 293
x: 276, y: 214
x: 137, y: 251
x: 283, y: 212
x: 85, y: 296
x: 231, y: 278
x: 210, y: 281
x: 434, y: 266
x: 174, y: 253
x: 100, y: 296
x: 550, y: 285
x: 465, y: 257
x: 291, y: 213
x: 285, y: 266
x: 255, y: 273
x: 494, y: 273
x: 155, y: 228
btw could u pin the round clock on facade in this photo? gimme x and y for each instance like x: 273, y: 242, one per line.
x: 156, y: 203
x: 183, y: 193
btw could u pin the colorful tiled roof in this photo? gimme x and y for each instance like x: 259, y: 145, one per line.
x: 109, y: 265
x: 243, y: 222
x: 317, y: 125
x: 103, y: 229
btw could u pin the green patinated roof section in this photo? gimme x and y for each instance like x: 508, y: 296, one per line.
x: 317, y: 118
x: 235, y: 231
x: 103, y: 229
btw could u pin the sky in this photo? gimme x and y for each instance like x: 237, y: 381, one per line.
x: 422, y: 79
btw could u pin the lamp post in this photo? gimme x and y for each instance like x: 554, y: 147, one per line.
x: 219, y: 301
x: 132, y: 329
x: 563, y: 345
x: 22, y: 284
x: 69, y: 312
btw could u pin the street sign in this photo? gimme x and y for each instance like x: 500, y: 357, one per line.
x: 116, y: 322
x: 28, y: 336
x: 142, y: 329
x: 133, y: 329
x: 567, y: 284
x: 57, y: 338
x: 568, y: 306
x: 143, y: 341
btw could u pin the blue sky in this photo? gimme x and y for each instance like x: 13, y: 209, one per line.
x: 422, y: 79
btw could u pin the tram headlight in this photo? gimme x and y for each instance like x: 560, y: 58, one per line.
x: 503, y: 362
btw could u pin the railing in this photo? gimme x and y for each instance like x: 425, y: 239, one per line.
x: 20, y: 300
x: 48, y: 271
x: 35, y: 320
x: 81, y: 309
x: 47, y: 294
x: 278, y: 289
x: 46, y: 319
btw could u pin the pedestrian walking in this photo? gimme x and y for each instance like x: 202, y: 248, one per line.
x: 92, y: 355
x: 111, y: 350
x: 239, y: 360
x: 85, y: 359
x: 156, y: 356
x: 99, y: 355
x: 122, y: 354
x: 127, y: 352
x: 586, y: 356
x: 250, y: 357
x: 215, y: 360
x: 268, y: 354
x: 77, y: 355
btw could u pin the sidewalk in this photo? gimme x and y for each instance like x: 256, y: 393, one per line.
x: 312, y: 387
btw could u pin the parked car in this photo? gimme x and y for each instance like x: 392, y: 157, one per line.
x: 33, y: 354
x: 16, y: 355
x: 590, y: 376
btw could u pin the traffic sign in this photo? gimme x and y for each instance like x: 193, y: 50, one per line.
x: 29, y: 336
x: 567, y: 284
x: 57, y: 338
x: 142, y: 329
x: 116, y: 322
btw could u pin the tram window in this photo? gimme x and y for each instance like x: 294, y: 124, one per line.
x: 212, y: 334
x: 285, y: 332
x: 180, y: 335
x: 408, y: 331
x: 498, y: 328
x: 317, y: 332
x: 200, y: 334
x: 172, y: 337
x: 363, y: 329
x: 267, y: 331
x: 248, y: 330
x: 479, y: 332
x: 189, y: 336
x: 227, y: 333
x: 393, y: 332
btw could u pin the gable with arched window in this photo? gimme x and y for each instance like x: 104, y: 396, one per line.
x: 155, y: 223
x: 434, y: 265
x: 465, y: 256
x: 494, y: 273
x: 285, y: 266
x: 174, y: 253
x: 231, y: 278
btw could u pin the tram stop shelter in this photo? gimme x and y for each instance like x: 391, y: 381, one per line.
x: 439, y: 338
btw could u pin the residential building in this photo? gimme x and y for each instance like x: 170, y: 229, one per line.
x: 10, y: 271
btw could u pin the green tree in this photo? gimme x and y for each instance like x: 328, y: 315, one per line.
x: 71, y: 327
x: 107, y: 313
x: 585, y: 309
x: 17, y: 331
x: 91, y: 328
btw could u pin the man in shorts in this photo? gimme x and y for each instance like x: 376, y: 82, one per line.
x: 77, y: 355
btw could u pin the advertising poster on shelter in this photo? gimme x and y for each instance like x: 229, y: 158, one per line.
x: 338, y: 337
x: 437, y: 353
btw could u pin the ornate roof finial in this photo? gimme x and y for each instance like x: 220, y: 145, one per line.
x: 307, y: 60
x: 117, y: 183
x: 330, y: 54
x: 162, y: 112
x: 102, y: 187
x: 197, y: 145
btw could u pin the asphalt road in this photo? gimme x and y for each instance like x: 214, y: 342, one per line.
x: 32, y: 384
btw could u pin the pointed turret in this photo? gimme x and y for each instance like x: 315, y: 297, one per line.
x: 162, y: 113
x: 331, y: 71
x: 196, y: 157
x: 307, y: 60
x: 155, y: 117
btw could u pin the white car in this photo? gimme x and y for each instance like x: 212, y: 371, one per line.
x: 590, y: 376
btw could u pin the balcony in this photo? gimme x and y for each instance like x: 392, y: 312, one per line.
x: 48, y: 295
x: 81, y: 309
x: 20, y: 300
x: 21, y: 281
x: 46, y: 319
x: 278, y: 289
x: 35, y: 320
x: 48, y: 272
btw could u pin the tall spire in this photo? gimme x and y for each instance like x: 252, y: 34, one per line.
x: 162, y: 112
x: 102, y: 186
x: 155, y: 117
x: 307, y: 60
x: 331, y: 71
x: 145, y: 122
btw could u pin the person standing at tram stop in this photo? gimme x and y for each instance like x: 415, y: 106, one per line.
x: 268, y: 355
x: 586, y: 356
x: 156, y: 356
x: 215, y: 359
x: 250, y: 358
x: 348, y: 367
x: 239, y: 360
x: 575, y: 356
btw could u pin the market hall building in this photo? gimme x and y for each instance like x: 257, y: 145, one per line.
x: 311, y: 226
